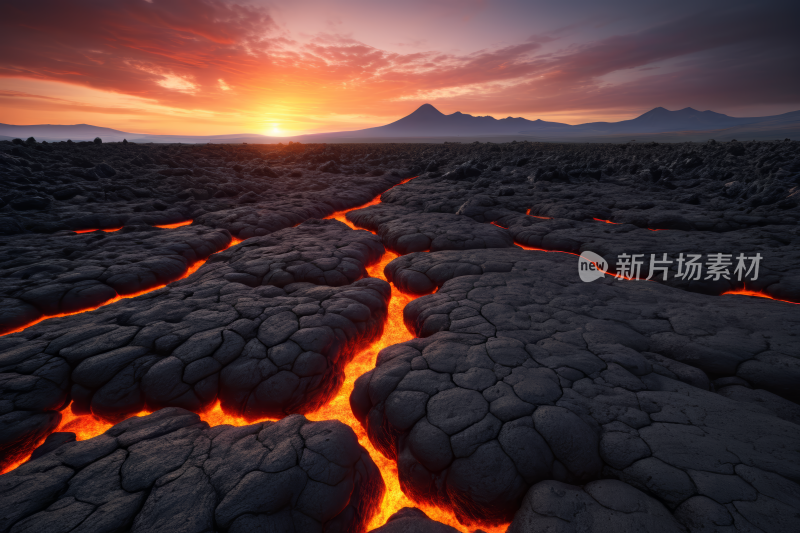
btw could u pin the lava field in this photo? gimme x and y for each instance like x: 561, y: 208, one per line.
x: 397, y: 337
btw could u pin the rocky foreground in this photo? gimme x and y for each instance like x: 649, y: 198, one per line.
x: 170, y: 279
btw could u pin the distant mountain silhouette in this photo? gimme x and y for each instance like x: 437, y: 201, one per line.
x: 429, y: 124
x: 428, y: 121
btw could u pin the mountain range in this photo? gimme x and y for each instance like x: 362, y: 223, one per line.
x: 428, y: 124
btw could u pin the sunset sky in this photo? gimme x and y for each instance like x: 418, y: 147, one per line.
x: 280, y: 68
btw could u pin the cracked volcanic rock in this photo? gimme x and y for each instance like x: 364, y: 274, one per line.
x: 412, y: 520
x: 169, y: 471
x: 265, y: 328
x: 521, y: 375
x: 405, y: 231
x: 528, y: 395
x: 66, y: 272
x: 606, y: 506
x: 778, y: 246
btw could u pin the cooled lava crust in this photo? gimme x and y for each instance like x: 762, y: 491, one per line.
x: 144, y: 286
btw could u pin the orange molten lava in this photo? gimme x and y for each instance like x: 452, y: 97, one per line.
x: 215, y: 416
x: 528, y: 212
x: 91, y: 230
x: 84, y: 427
x: 543, y: 250
x: 175, y: 225
x: 165, y: 226
x: 746, y: 292
x: 189, y: 271
x: 606, y: 221
x: 338, y: 408
x: 340, y: 215
x: 579, y: 255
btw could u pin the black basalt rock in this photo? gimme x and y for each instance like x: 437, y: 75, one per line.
x: 171, y: 471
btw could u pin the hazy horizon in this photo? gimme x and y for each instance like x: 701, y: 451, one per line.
x: 246, y: 133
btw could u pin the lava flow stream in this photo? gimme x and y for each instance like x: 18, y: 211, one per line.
x: 338, y: 408
x: 742, y: 292
x: 88, y: 426
x: 163, y: 226
x: 84, y: 426
x: 189, y: 271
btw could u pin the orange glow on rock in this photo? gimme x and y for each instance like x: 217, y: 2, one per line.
x: 746, y: 292
x: 606, y: 221
x: 175, y: 225
x: 216, y: 416
x: 528, y: 212
x: 543, y: 250
x: 579, y: 255
x: 338, y: 408
x: 84, y: 426
x: 165, y: 226
x: 91, y: 230
x: 189, y: 271
x: 340, y: 215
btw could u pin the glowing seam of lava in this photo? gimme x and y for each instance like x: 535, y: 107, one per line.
x: 338, y: 408
x: 84, y: 427
x: 109, y: 230
x: 175, y: 225
x: 579, y: 255
x: 528, y: 212
x: 747, y: 292
x: 618, y: 223
x: 163, y: 226
x: 189, y: 271
x: 88, y: 426
x: 742, y: 292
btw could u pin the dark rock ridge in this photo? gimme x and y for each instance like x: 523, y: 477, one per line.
x: 660, y: 186
x: 265, y: 327
x: 521, y: 376
x: 753, y: 340
x: 605, y: 506
x: 169, y: 471
x: 777, y: 247
x: 404, y: 230
x: 43, y: 274
x: 412, y: 520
